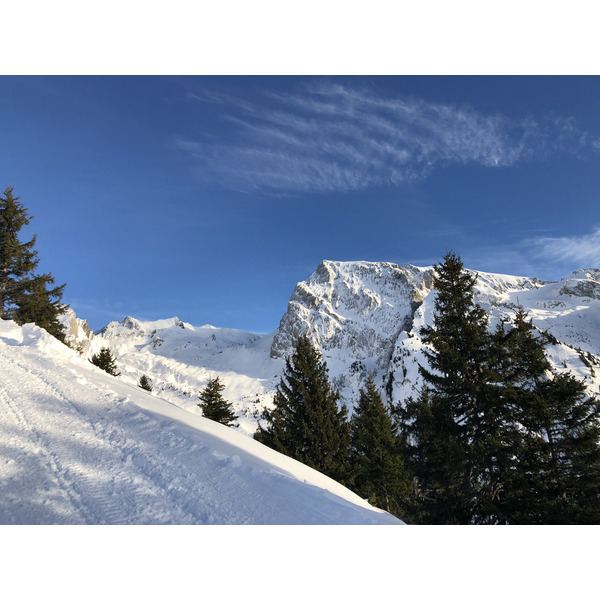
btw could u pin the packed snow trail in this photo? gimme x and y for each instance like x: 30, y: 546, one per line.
x: 77, y: 446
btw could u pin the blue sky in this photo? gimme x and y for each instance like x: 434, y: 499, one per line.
x: 210, y: 197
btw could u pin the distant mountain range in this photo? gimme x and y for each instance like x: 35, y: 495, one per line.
x: 365, y: 318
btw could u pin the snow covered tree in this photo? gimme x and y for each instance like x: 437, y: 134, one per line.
x: 378, y: 469
x: 25, y: 296
x: 105, y: 361
x: 145, y: 384
x: 214, y: 406
x: 306, y: 422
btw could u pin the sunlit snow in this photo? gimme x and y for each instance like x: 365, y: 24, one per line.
x: 78, y: 446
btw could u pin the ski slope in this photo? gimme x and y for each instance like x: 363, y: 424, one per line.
x: 78, y: 446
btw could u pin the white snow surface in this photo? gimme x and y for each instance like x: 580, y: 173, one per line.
x: 180, y: 359
x: 78, y: 446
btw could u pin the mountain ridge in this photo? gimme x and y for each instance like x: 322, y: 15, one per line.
x: 365, y: 318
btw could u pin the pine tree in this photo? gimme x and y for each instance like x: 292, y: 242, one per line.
x: 496, y: 436
x: 145, y: 384
x: 555, y: 475
x: 105, y: 361
x: 306, y: 422
x: 568, y: 453
x: 42, y: 306
x: 24, y: 296
x: 450, y: 426
x: 435, y: 453
x: 379, y: 473
x: 214, y: 406
x: 522, y: 364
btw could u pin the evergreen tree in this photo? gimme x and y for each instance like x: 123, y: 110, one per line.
x: 105, y: 361
x: 496, y: 436
x: 24, y: 296
x: 555, y: 475
x: 145, y: 384
x: 214, y: 406
x: 567, y: 466
x: 522, y: 364
x: 451, y: 426
x: 306, y: 422
x: 379, y: 473
x: 42, y: 306
x: 435, y: 452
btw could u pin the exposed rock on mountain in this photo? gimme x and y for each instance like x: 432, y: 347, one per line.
x: 353, y: 306
x: 584, y: 283
x: 78, y: 334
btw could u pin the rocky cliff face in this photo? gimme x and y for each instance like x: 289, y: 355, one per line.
x: 78, y: 334
x: 584, y: 283
x: 354, y: 313
x: 366, y: 318
x: 357, y: 307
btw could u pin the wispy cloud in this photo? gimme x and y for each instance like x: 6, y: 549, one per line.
x: 334, y: 138
x: 583, y: 250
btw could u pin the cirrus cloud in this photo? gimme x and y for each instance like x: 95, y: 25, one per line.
x: 576, y: 250
x: 331, y: 137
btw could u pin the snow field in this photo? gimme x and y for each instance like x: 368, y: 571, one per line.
x: 78, y: 446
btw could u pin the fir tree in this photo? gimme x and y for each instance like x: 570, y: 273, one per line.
x: 496, y: 436
x: 435, y: 453
x: 555, y: 475
x: 42, y: 306
x: 145, y: 384
x: 450, y: 427
x: 105, y: 361
x: 522, y: 364
x: 379, y: 473
x: 24, y: 296
x: 306, y: 422
x: 567, y: 469
x: 214, y: 406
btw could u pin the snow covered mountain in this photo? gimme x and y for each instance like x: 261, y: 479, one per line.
x: 79, y: 446
x: 364, y: 317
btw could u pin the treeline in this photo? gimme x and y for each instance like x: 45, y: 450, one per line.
x: 495, y: 436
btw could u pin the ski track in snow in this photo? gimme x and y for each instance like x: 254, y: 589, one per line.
x: 76, y: 447
x: 67, y: 437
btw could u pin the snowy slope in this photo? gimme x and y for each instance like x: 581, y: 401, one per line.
x: 79, y: 446
x: 180, y: 359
